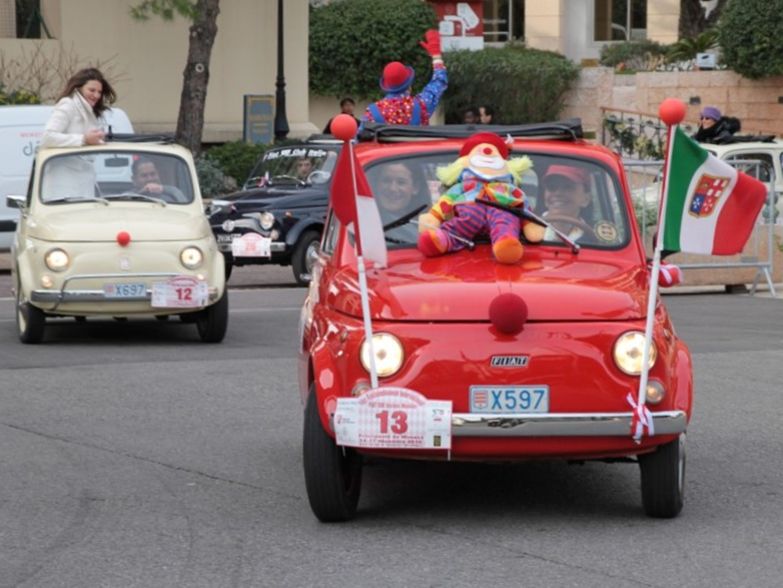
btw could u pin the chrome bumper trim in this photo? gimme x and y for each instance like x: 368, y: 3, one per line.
x: 57, y: 297
x: 274, y: 246
x: 579, y: 424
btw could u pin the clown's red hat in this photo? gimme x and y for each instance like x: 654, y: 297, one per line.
x: 479, y: 138
x: 397, y: 77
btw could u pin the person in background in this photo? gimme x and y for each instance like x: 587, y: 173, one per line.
x: 398, y: 107
x: 714, y: 127
x: 75, y: 120
x: 347, y: 106
x: 486, y: 115
x: 146, y: 180
x: 470, y: 116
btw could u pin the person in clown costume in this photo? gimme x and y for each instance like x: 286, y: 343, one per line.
x: 482, y: 172
x: 398, y: 107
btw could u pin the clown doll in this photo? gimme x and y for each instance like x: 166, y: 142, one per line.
x: 482, y: 172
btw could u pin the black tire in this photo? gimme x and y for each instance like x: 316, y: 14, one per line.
x: 162, y: 317
x: 663, y: 479
x: 304, y: 255
x: 30, y: 320
x: 333, y: 475
x: 212, y: 322
x: 228, y: 265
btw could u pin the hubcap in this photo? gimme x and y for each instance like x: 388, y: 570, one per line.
x: 311, y: 255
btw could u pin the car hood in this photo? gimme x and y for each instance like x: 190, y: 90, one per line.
x: 284, y: 196
x: 461, y: 288
x: 96, y: 222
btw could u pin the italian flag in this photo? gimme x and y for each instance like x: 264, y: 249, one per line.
x: 710, y: 207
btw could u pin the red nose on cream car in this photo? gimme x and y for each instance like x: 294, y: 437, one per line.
x: 479, y: 359
x: 116, y: 230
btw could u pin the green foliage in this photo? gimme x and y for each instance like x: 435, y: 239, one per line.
x: 524, y: 85
x: 632, y: 55
x: 687, y: 48
x: 18, y: 97
x: 352, y: 40
x: 211, y: 179
x: 166, y: 9
x: 750, y: 33
x: 236, y: 159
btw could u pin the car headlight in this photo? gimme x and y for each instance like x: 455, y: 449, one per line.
x: 191, y: 257
x: 388, y: 354
x: 228, y: 225
x: 628, y: 350
x: 267, y: 220
x: 57, y: 260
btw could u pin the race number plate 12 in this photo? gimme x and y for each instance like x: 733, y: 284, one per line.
x: 180, y: 292
x: 251, y: 245
x: 393, y: 418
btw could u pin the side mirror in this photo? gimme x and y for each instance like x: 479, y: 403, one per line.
x: 15, y: 201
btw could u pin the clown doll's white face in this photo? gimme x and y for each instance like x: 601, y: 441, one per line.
x: 485, y: 160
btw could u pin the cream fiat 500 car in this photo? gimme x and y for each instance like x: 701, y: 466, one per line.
x: 116, y: 230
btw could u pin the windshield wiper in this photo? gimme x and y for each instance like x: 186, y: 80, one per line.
x: 404, y: 219
x: 136, y: 196
x: 289, y: 179
x: 525, y: 214
x: 77, y: 199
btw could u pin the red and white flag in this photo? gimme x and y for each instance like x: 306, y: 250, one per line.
x: 353, y: 203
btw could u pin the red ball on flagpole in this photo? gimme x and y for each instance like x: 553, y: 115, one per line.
x: 344, y: 127
x: 671, y: 111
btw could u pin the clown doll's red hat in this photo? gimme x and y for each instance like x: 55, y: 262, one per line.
x: 479, y: 138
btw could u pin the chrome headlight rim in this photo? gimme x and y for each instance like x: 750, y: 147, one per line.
x: 267, y: 220
x: 628, y: 350
x: 57, y: 259
x: 389, y: 354
x: 191, y: 257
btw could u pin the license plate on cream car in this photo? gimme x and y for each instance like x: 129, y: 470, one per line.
x: 509, y: 399
x: 135, y: 290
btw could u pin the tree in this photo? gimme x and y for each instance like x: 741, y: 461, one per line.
x: 203, y: 14
x: 749, y: 37
x: 694, y: 19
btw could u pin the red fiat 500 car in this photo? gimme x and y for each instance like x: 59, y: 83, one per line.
x: 462, y: 375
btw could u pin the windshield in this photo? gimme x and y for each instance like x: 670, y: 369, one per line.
x: 302, y: 165
x: 116, y: 175
x: 580, y: 199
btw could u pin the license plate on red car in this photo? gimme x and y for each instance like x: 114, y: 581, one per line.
x: 509, y: 399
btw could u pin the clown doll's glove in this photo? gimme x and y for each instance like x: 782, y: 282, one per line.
x: 431, y: 44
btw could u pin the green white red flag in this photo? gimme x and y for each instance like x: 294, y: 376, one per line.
x: 710, y: 207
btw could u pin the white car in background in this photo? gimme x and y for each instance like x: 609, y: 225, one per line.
x: 91, y: 243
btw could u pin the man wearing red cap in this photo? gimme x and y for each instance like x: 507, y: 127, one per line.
x: 566, y: 195
x: 398, y: 107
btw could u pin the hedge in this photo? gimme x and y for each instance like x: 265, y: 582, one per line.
x: 749, y: 35
x: 523, y: 85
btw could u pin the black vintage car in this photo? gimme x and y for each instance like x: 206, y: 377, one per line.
x: 279, y: 215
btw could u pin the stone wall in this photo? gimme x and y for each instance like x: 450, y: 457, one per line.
x: 754, y: 102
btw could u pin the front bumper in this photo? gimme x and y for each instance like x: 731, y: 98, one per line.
x: 224, y: 242
x: 57, y: 297
x: 616, y: 424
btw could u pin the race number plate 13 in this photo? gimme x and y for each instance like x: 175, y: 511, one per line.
x: 180, y: 292
x: 393, y: 418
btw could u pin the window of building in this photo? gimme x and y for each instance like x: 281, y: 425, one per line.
x: 21, y: 19
x: 503, y: 20
x: 620, y: 20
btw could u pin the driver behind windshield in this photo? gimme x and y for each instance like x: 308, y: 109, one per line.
x: 566, y: 196
x: 398, y: 190
x: 146, y: 180
x: 304, y: 167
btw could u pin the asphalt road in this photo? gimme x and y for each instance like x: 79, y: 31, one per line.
x: 134, y: 455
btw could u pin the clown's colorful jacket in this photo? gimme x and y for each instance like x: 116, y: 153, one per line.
x: 472, y: 187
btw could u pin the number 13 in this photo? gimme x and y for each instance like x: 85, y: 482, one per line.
x: 400, y: 424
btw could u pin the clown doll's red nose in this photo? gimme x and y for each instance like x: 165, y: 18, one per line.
x: 487, y: 150
x: 123, y: 238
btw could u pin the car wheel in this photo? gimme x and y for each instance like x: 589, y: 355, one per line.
x: 212, y: 322
x: 30, y: 320
x: 162, y: 317
x: 663, y: 479
x: 333, y: 475
x: 305, y: 254
x: 228, y: 265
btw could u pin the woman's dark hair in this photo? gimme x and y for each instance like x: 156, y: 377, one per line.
x: 85, y: 75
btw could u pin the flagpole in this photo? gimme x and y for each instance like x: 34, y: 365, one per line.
x: 363, y: 291
x: 671, y: 115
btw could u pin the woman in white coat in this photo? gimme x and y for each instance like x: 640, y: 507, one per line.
x: 74, y: 122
